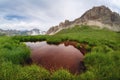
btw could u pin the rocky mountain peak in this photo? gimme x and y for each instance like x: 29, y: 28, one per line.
x: 100, y: 16
x: 96, y: 13
x: 100, y: 13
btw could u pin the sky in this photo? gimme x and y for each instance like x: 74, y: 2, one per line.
x: 43, y: 14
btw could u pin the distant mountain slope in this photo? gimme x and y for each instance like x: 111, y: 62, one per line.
x: 18, y: 32
x: 98, y: 16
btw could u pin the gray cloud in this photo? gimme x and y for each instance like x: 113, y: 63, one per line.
x: 28, y: 14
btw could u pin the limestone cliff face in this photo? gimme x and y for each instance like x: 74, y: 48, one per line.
x: 99, y: 16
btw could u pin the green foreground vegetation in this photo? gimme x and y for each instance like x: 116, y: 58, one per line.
x: 102, y: 59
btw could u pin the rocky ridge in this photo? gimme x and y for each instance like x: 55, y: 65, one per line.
x: 100, y: 16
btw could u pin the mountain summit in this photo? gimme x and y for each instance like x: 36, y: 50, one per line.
x: 100, y: 16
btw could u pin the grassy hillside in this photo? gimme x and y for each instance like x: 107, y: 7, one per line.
x: 86, y: 33
x: 102, y: 59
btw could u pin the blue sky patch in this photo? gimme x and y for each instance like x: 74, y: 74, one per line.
x: 14, y: 17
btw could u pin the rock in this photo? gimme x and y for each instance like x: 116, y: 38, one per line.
x: 100, y: 16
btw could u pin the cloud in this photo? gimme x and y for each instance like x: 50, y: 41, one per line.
x: 22, y: 25
x: 42, y: 14
x: 114, y: 5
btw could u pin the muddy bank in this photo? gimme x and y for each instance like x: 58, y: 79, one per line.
x: 54, y: 57
x: 80, y: 46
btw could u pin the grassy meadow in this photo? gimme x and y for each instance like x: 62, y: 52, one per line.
x: 102, y: 59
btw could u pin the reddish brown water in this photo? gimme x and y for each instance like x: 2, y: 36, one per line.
x: 54, y: 57
x: 82, y: 47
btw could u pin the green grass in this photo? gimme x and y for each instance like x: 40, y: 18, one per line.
x: 103, y: 66
x: 102, y: 60
x: 89, y: 35
x: 13, y: 50
x: 83, y: 34
x: 10, y: 71
x: 62, y: 75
